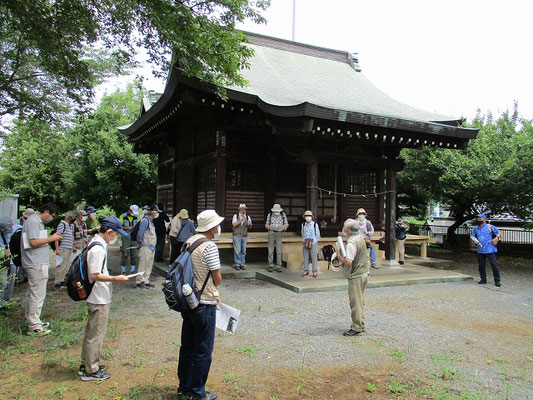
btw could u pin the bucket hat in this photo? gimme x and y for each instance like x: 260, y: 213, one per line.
x: 208, y: 219
x: 276, y: 208
x: 308, y: 213
x: 361, y: 211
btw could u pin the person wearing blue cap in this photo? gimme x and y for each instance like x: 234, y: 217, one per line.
x: 92, y: 222
x: 99, y: 301
x: 128, y: 250
x: 487, y: 237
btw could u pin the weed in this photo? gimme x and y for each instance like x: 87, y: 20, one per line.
x: 396, y: 387
x: 49, y: 362
x: 236, y: 384
x: 107, y: 354
x: 114, y: 331
x: 249, y: 350
x: 59, y: 390
x: 444, y: 367
x: 301, y: 379
x: 397, y: 354
x: 370, y: 387
x: 80, y: 314
x: 259, y: 308
x: 175, y: 345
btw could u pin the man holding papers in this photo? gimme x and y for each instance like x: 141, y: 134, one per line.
x: 356, y: 267
x: 35, y: 258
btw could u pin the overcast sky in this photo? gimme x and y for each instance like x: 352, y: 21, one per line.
x: 452, y: 57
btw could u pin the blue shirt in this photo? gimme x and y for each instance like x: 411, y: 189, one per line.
x: 142, y: 228
x: 187, y: 229
x: 311, y: 231
x: 482, y: 233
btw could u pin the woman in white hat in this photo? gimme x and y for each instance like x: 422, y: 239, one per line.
x: 181, y: 228
x: 310, y: 237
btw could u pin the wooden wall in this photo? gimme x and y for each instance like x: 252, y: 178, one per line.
x: 255, y: 202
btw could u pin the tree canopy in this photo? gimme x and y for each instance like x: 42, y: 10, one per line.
x: 53, y: 53
x: 494, y: 174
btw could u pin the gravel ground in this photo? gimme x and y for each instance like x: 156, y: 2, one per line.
x: 462, y: 336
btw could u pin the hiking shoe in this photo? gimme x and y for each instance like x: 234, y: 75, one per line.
x: 58, y: 287
x: 400, y: 262
x: 305, y: 274
x: 45, y: 325
x: 96, y: 376
x: 237, y: 267
x: 206, y: 396
x: 243, y: 267
x: 270, y: 269
x: 374, y: 265
x: 278, y: 270
x: 82, y: 370
x: 142, y: 286
x: 351, y: 332
x: 39, y: 332
x: 498, y: 283
x: 149, y: 285
x: 182, y: 395
x: 482, y: 282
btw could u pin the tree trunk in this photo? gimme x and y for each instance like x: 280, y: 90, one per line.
x: 451, y: 238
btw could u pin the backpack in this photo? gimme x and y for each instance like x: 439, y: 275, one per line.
x: 180, y: 273
x: 135, y: 231
x: 14, y: 247
x: 77, y: 272
x: 328, y: 251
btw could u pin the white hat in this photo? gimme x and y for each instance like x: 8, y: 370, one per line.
x: 276, y: 208
x: 242, y: 205
x: 335, y: 262
x: 208, y: 219
x: 361, y: 211
x: 134, y: 209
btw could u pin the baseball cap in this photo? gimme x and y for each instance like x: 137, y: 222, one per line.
x: 482, y: 215
x: 134, y: 209
x: 115, y: 224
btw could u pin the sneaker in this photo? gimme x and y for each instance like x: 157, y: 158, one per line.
x: 498, y: 283
x: 315, y: 275
x: 96, y: 376
x: 58, y: 287
x: 243, y: 267
x: 400, y: 262
x: 39, y: 332
x: 482, y: 282
x: 305, y: 274
x: 149, y: 285
x: 374, y: 265
x: 270, y: 269
x: 64, y: 284
x: 142, y: 286
x: 82, y: 370
x: 45, y: 325
x: 206, y: 396
x: 183, y: 395
x: 237, y: 267
x: 351, y: 332
x: 278, y: 270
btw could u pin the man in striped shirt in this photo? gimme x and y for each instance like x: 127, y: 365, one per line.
x: 63, y: 250
x: 198, y: 329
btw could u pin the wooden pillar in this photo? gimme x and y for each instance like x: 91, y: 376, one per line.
x: 381, y: 197
x: 390, y: 216
x: 312, y: 192
x: 220, y: 187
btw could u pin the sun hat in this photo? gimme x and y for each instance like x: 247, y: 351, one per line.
x: 308, y: 213
x: 276, y: 208
x: 154, y: 209
x: 208, y: 219
x: 28, y: 212
x: 361, y: 211
x: 115, y: 224
x: 134, y: 209
x: 242, y: 205
x: 183, y: 214
x: 482, y: 215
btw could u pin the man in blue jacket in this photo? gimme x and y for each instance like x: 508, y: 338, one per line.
x: 488, y: 236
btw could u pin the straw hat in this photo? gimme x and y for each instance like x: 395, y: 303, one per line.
x: 242, y: 205
x: 361, y: 211
x: 308, y: 213
x: 183, y: 214
x: 208, y: 219
x: 276, y: 208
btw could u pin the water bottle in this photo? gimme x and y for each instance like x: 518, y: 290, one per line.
x: 81, y: 291
x: 190, y: 296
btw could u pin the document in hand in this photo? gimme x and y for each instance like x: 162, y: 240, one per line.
x: 476, y: 242
x: 227, y: 318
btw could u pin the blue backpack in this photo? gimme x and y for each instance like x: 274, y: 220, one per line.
x: 180, y: 273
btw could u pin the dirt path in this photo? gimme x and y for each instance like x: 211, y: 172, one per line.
x: 441, y: 341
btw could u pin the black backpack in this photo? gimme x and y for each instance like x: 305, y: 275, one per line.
x: 135, y: 231
x: 14, y: 247
x: 180, y: 273
x: 77, y: 272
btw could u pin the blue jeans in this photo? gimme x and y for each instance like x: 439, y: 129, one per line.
x: 239, y: 248
x: 196, y: 351
x: 373, y: 254
x: 481, y: 258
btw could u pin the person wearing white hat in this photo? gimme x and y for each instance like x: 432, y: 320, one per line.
x: 356, y: 268
x: 276, y: 224
x: 310, y: 237
x: 198, y: 329
x: 128, y: 251
x: 241, y: 223
x: 367, y: 230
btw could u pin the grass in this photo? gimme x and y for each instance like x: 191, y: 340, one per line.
x: 370, y: 387
x: 58, y: 391
x: 248, y: 351
x: 444, y: 367
x: 397, y: 354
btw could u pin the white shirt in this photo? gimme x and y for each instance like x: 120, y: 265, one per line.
x: 101, y: 293
x: 351, y: 251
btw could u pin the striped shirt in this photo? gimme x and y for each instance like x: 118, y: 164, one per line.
x: 67, y: 242
x: 210, y: 257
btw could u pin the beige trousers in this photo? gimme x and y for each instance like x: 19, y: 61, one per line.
x: 356, y: 295
x: 400, y: 244
x: 35, y: 295
x: 61, y: 269
x: 146, y: 261
x: 94, y: 336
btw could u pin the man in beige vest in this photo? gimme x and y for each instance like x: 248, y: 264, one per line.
x: 198, y: 330
x: 241, y: 223
x: 356, y: 267
x: 146, y: 238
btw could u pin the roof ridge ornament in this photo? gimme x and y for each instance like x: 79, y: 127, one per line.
x: 354, y: 61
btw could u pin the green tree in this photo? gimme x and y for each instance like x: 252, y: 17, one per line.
x: 104, y: 170
x: 52, y: 53
x: 32, y: 162
x: 494, y: 174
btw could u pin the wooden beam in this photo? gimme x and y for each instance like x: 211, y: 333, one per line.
x: 390, y: 219
x: 312, y: 193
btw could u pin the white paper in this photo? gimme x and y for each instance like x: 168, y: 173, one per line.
x: 26, y: 242
x: 132, y: 247
x: 227, y: 318
x: 59, y: 260
x: 134, y: 275
x: 476, y: 242
x: 340, y: 246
